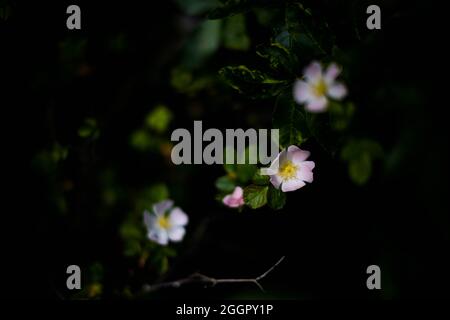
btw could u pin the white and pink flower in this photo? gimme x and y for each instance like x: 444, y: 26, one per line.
x: 235, y: 199
x: 290, y: 170
x: 165, y: 223
x: 318, y: 86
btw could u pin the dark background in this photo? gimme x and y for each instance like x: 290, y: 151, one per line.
x: 330, y: 231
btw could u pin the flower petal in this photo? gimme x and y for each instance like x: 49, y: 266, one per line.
x: 177, y: 217
x: 308, y: 164
x: 283, y: 157
x: 149, y: 219
x: 238, y: 193
x: 234, y: 200
x: 273, y: 169
x: 299, y: 156
x: 276, y: 181
x: 161, y: 207
x: 302, y: 92
x: 293, y: 148
x: 176, y: 233
x: 305, y: 174
x: 332, y: 73
x: 291, y: 185
x: 159, y: 236
x: 229, y: 201
x: 317, y: 105
x: 313, y: 72
x: 337, y: 91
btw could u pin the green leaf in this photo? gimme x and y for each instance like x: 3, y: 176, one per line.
x: 276, y: 198
x: 252, y: 83
x: 308, y: 33
x: 232, y: 7
x: 141, y: 140
x: 255, y: 196
x: 196, y: 7
x: 184, y: 81
x: 355, y: 147
x: 132, y: 248
x: 230, y: 168
x: 360, y: 153
x: 129, y: 230
x: 158, y: 192
x: 279, y: 57
x: 225, y: 184
x: 340, y: 114
x: 291, y: 120
x: 270, y: 15
x: 373, y: 148
x: 360, y: 169
x: 151, y: 195
x: 245, y: 172
x: 259, y: 179
x: 180, y: 78
x: 235, y: 34
x: 159, y: 118
x: 296, y: 125
x: 204, y: 42
x: 58, y: 153
x: 89, y: 129
x: 132, y: 236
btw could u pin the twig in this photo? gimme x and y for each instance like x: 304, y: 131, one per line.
x: 201, y: 278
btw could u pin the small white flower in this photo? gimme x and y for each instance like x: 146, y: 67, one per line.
x: 318, y: 87
x: 163, y: 226
x: 290, y: 170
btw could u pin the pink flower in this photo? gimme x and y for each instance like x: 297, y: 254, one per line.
x: 235, y: 199
x: 318, y: 87
x: 290, y: 170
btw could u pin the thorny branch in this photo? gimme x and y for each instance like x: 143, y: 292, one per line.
x: 201, y: 278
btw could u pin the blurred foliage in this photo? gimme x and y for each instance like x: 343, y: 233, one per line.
x: 233, y: 7
x: 89, y: 129
x: 196, y: 7
x: 159, y: 119
x: 204, y: 43
x: 235, y: 34
x: 152, y: 135
x: 6, y: 10
x: 360, y: 153
x: 106, y: 158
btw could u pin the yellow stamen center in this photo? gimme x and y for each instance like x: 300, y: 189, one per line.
x: 320, y: 88
x: 288, y: 170
x: 163, y: 222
